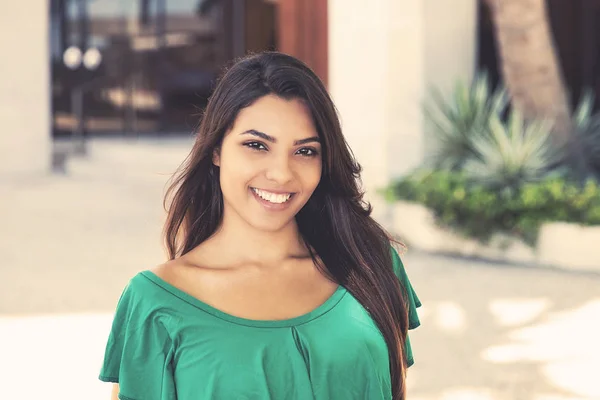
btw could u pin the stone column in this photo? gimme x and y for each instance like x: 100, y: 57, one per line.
x: 376, y: 79
x: 450, y: 40
x: 25, y: 142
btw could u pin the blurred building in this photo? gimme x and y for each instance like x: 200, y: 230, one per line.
x: 159, y: 59
x: 134, y: 66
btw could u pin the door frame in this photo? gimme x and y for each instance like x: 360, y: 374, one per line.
x: 303, y: 32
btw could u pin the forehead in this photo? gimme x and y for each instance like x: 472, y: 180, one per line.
x: 277, y: 117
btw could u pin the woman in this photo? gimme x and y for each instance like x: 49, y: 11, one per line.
x: 280, y: 285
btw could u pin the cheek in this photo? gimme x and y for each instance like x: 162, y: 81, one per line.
x: 311, y: 176
x: 237, y: 171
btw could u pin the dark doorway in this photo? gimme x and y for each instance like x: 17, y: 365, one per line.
x: 160, y: 59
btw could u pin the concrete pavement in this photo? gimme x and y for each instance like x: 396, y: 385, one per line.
x: 68, y: 244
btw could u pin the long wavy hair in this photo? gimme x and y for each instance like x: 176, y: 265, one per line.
x: 344, y: 241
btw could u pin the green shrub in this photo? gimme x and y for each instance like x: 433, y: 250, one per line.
x: 491, y: 174
x: 479, y: 211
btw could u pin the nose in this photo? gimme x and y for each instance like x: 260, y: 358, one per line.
x: 279, y: 170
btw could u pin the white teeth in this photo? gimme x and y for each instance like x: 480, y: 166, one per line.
x: 272, y: 197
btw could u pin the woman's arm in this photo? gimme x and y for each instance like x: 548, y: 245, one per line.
x: 115, y: 392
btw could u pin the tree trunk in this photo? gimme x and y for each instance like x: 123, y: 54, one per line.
x: 530, y: 66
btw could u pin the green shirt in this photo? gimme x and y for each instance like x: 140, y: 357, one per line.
x: 167, y: 345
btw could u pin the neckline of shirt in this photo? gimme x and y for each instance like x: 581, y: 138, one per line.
x: 328, y: 305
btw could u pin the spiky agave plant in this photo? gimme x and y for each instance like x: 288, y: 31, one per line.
x: 512, y: 154
x: 587, y: 126
x: 458, y: 121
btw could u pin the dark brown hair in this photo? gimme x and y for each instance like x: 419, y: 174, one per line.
x: 336, y: 224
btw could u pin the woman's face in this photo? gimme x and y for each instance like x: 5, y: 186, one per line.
x: 270, y: 162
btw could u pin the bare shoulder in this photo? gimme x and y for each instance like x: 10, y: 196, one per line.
x: 183, y: 274
x: 172, y: 271
x: 165, y: 270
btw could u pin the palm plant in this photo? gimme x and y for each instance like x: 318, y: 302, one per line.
x: 587, y: 127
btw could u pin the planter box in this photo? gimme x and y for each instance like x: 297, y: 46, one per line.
x: 570, y: 246
x: 562, y: 245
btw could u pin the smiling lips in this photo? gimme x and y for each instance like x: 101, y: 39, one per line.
x: 275, y: 198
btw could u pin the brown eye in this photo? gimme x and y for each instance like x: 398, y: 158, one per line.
x: 308, y: 152
x: 258, y: 146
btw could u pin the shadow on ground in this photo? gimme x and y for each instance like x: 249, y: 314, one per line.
x: 494, y: 331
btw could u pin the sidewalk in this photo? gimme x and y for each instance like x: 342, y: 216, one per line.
x: 70, y: 243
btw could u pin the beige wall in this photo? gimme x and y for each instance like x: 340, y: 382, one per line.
x: 450, y: 45
x: 383, y: 55
x: 24, y: 88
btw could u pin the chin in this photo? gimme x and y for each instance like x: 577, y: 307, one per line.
x: 273, y: 226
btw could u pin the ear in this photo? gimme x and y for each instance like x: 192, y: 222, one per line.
x: 216, y: 158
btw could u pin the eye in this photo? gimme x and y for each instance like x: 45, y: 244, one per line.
x: 308, y: 152
x: 258, y: 146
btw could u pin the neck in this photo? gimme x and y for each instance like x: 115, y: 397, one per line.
x: 244, y: 242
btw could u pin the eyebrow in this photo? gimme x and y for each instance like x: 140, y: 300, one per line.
x: 271, y: 139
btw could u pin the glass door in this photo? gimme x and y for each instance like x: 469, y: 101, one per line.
x: 157, y: 60
x: 82, y: 91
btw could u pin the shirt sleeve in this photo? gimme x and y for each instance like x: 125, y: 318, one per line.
x: 413, y: 301
x: 139, y: 351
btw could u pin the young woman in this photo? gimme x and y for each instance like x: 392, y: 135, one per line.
x: 280, y: 285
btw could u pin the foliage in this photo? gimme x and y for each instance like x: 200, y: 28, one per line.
x: 492, y: 174
x: 473, y: 138
x: 587, y: 126
x: 512, y: 154
x: 479, y: 211
x: 457, y: 121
